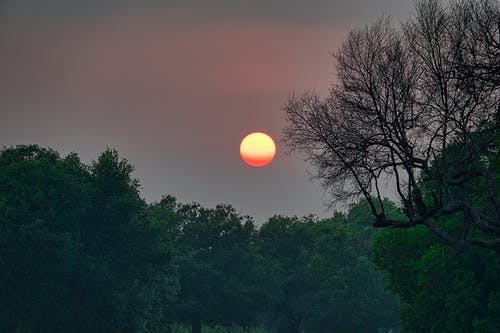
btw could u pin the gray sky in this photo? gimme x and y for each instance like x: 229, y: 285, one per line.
x: 174, y: 86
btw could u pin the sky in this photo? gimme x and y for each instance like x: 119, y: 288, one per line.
x: 174, y: 86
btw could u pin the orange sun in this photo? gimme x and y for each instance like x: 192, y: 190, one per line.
x: 257, y: 149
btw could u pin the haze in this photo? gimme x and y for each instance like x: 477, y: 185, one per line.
x: 175, y: 86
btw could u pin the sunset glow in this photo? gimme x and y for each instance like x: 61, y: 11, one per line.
x: 257, y: 149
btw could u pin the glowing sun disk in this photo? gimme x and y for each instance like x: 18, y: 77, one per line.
x: 257, y: 149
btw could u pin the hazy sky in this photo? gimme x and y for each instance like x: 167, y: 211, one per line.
x: 174, y: 86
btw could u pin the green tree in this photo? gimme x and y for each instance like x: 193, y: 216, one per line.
x: 222, y: 277
x: 444, y: 289
x: 43, y: 201
x: 441, y: 290
x: 283, y: 239
x: 349, y: 286
x: 327, y: 282
x: 76, y: 253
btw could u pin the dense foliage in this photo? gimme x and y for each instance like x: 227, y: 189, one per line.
x: 444, y: 289
x: 76, y: 253
x: 326, y: 281
x: 80, y: 251
x: 441, y: 291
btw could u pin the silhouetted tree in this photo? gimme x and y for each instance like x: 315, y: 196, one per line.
x: 402, y: 97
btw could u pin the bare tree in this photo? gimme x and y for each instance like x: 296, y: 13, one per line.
x: 417, y: 105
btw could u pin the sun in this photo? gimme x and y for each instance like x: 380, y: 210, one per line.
x: 257, y: 149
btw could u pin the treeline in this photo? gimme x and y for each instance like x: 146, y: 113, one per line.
x: 81, y: 251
